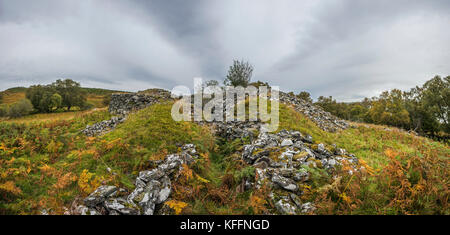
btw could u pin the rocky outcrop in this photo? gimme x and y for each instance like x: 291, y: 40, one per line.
x: 123, y: 103
x: 153, y: 187
x: 103, y: 126
x: 323, y: 119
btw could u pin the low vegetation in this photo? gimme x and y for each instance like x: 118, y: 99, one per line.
x: 49, y: 164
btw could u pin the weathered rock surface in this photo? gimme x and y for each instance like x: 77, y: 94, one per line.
x: 153, y: 187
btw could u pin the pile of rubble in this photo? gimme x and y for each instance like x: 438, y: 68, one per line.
x: 103, y: 126
x: 153, y: 187
x: 234, y: 130
x: 323, y: 119
x: 282, y: 160
x: 124, y: 103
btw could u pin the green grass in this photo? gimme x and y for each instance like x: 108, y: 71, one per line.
x: 50, y: 163
x: 366, y: 141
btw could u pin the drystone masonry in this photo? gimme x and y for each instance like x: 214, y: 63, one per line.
x: 124, y: 103
x: 153, y: 187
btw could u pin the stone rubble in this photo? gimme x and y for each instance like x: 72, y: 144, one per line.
x: 323, y: 119
x: 282, y: 161
x: 153, y: 187
x: 103, y: 126
x: 124, y: 103
x: 287, y: 156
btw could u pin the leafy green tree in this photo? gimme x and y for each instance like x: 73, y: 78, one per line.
x: 390, y: 109
x: 305, y: 96
x: 71, y: 92
x: 55, y: 101
x: 436, y: 96
x: 20, y: 108
x: 357, y: 112
x: 40, y: 97
x: 327, y: 103
x: 239, y: 74
x: 45, y: 99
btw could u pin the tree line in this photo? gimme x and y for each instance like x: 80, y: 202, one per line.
x: 423, y: 109
x: 61, y: 95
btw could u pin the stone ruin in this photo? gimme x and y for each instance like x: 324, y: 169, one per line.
x: 279, y: 159
x: 153, y: 188
x: 122, y: 104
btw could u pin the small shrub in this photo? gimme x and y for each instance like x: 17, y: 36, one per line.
x: 239, y: 74
x: 20, y: 109
x: 4, y: 110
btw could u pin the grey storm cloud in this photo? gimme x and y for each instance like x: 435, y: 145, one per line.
x: 347, y: 49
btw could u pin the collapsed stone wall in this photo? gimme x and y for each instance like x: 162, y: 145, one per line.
x: 103, y: 126
x: 325, y: 120
x: 153, y: 188
x: 281, y: 159
x: 124, y: 103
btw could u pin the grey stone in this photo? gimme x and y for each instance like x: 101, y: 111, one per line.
x: 301, y: 175
x: 307, y: 207
x: 286, y: 142
x: 285, y: 183
x: 285, y: 207
x: 99, y: 195
x: 151, y: 175
x: 120, y: 206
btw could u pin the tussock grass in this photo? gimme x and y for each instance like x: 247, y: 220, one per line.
x: 410, y: 173
x: 46, y: 163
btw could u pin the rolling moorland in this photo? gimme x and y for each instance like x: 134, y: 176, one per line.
x: 48, y: 165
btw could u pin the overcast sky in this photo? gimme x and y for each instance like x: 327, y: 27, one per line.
x: 347, y: 49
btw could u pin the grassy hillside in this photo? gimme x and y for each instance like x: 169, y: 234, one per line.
x: 48, y: 164
x: 12, y: 95
x: 406, y: 174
